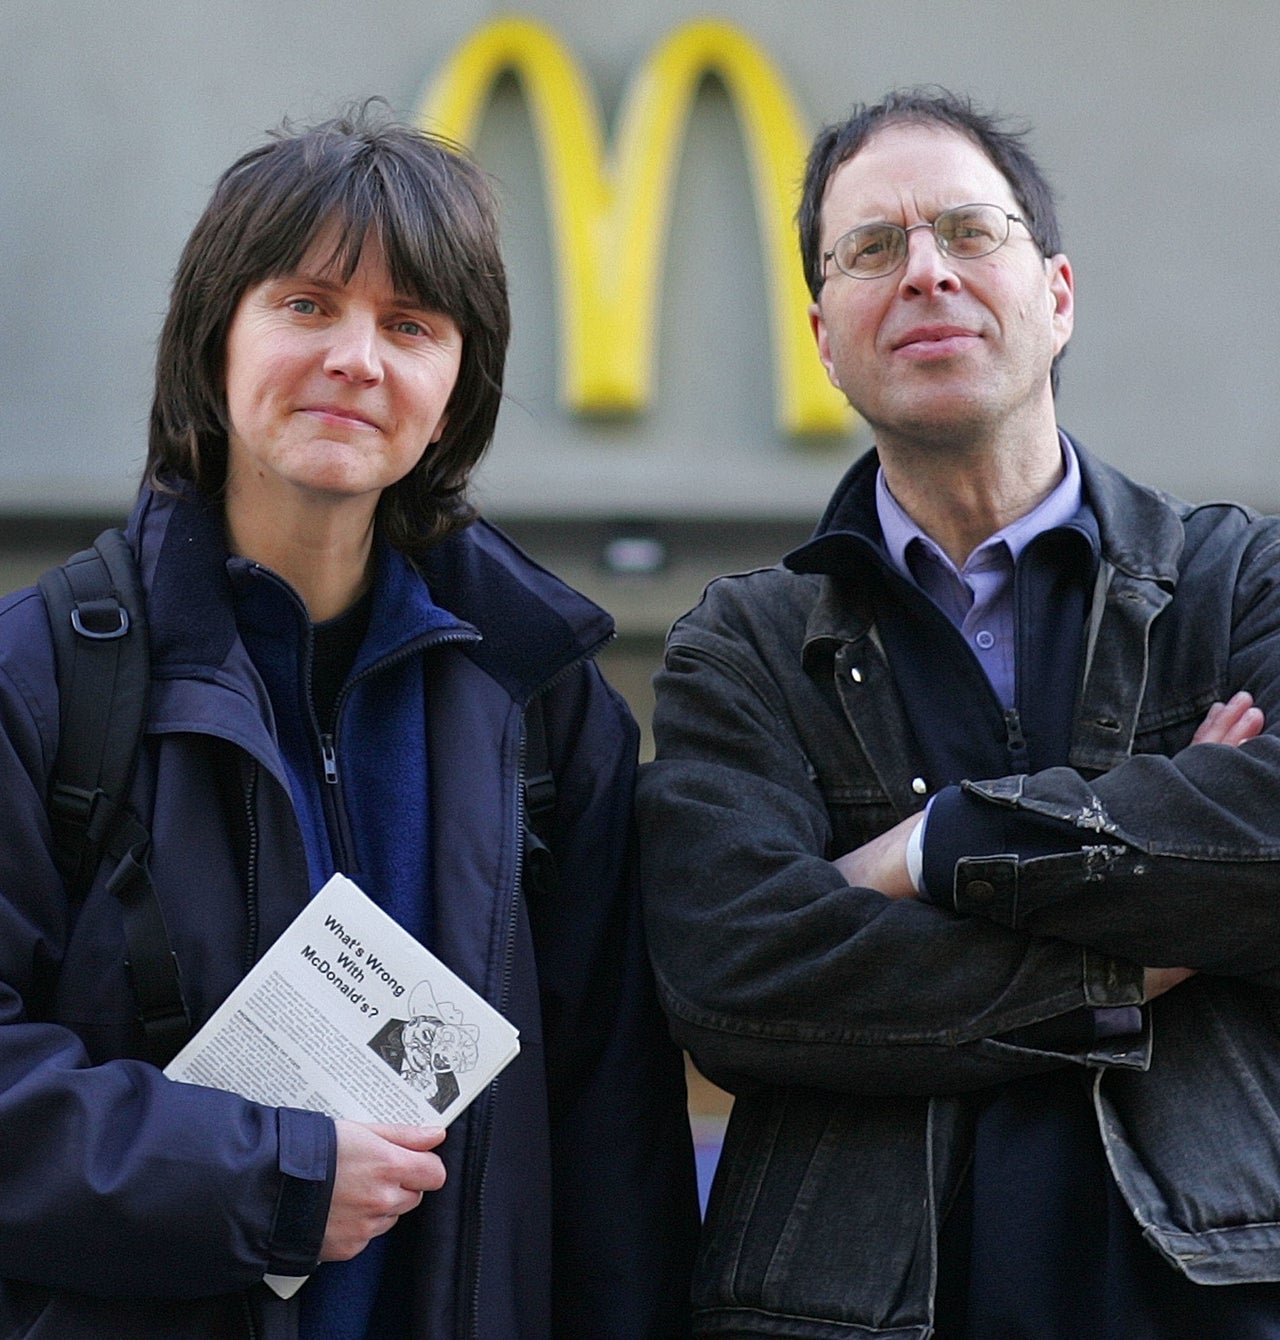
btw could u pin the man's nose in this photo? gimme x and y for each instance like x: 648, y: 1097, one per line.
x: 927, y: 269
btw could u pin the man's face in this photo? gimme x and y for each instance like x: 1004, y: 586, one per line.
x: 942, y: 349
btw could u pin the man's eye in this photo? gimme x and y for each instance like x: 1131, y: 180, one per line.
x: 870, y: 249
x: 303, y: 306
x: 973, y: 231
x: 411, y: 328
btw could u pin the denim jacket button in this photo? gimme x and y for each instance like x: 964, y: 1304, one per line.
x: 980, y: 890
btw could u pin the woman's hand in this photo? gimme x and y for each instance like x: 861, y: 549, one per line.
x: 382, y: 1173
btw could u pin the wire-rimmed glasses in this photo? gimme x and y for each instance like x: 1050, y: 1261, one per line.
x: 966, y: 232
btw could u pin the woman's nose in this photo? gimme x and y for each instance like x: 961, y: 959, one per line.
x: 353, y: 350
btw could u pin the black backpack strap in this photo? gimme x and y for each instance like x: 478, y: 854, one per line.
x: 97, y: 616
x: 539, y: 802
x: 153, y: 969
x: 539, y: 780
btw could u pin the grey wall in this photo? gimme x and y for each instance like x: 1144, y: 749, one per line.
x: 1157, y: 119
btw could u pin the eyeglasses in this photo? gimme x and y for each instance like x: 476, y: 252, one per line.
x: 878, y: 249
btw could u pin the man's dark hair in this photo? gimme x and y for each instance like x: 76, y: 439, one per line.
x: 344, y: 181
x: 836, y: 144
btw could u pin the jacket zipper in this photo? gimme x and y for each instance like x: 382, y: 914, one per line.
x: 335, y: 815
x: 1016, y: 740
x: 328, y: 744
x: 251, y: 1326
x: 476, y: 1227
x: 252, y: 909
x: 481, y: 1178
x: 339, y: 835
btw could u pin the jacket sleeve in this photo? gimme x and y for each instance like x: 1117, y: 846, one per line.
x: 624, y: 1191
x: 1172, y: 855
x: 115, y: 1181
x: 771, y: 968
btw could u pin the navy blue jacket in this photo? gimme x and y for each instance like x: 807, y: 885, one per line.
x: 133, y: 1206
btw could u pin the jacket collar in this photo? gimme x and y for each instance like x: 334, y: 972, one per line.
x: 1140, y: 529
x: 531, y: 626
x: 1141, y: 536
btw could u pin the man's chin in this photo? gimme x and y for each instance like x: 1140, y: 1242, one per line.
x: 951, y: 424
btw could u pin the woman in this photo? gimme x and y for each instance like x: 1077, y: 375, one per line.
x: 341, y: 659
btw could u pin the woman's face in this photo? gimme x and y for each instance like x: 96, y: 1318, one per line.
x: 334, y: 389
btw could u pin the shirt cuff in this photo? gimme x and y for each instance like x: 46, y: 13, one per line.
x: 915, y: 852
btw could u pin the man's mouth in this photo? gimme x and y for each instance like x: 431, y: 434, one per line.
x: 935, y: 338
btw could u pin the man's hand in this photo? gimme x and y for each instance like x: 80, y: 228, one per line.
x: 1156, y: 981
x: 382, y: 1173
x: 1232, y: 722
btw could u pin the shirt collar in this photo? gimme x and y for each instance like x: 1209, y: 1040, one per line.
x: 1056, y: 509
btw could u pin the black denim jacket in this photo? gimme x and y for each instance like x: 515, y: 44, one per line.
x: 851, y: 1027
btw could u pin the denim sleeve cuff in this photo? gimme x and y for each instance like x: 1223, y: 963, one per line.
x: 1114, y: 989
x: 1110, y: 1029
x: 308, y: 1161
x: 973, y: 848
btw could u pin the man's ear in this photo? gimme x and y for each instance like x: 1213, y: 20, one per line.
x: 819, y: 327
x: 1062, y: 299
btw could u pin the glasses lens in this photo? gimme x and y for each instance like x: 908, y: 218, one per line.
x: 971, y: 230
x: 874, y: 249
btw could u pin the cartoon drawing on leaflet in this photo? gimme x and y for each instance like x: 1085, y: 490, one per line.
x: 430, y: 1048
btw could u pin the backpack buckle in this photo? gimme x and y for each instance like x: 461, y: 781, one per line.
x: 98, y: 628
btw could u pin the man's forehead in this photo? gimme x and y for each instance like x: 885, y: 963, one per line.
x: 909, y: 165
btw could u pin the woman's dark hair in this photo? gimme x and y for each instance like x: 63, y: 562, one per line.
x: 433, y: 213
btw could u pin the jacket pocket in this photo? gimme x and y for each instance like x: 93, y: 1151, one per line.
x: 1194, y: 1142
x: 821, y: 1210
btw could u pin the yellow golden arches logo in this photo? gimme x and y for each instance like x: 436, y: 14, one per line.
x: 610, y: 217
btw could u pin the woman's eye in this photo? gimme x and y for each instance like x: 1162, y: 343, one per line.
x: 411, y: 328
x: 303, y: 306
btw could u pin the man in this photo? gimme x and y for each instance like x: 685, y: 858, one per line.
x: 961, y: 841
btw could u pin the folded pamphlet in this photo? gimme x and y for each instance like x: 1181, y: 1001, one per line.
x: 349, y: 1015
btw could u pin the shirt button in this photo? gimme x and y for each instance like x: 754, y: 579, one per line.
x: 856, y: 675
x: 985, y: 640
x: 980, y: 890
x: 919, y: 786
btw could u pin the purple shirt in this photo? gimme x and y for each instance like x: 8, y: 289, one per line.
x: 978, y: 598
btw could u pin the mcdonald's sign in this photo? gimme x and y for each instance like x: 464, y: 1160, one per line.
x: 610, y: 212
